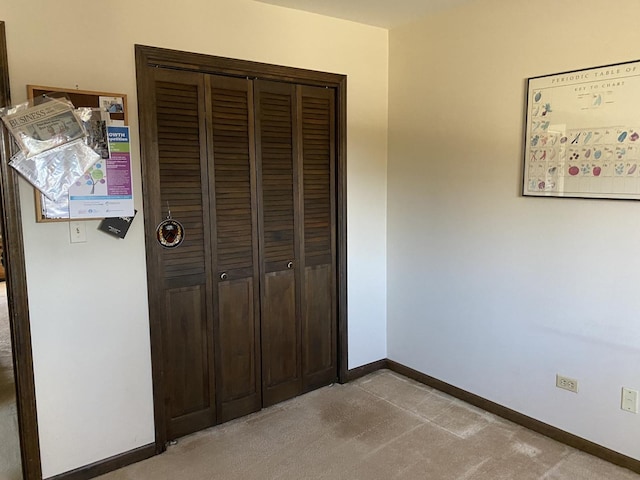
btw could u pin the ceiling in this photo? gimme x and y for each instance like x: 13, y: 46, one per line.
x: 380, y: 13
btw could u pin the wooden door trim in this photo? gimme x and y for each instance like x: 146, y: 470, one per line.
x: 150, y: 188
x: 150, y: 58
x: 341, y: 226
x: 156, y: 57
x: 16, y: 279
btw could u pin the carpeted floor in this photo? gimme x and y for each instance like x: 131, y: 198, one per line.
x: 380, y: 427
x: 9, y: 446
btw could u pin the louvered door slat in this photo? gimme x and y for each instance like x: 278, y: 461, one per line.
x: 183, y: 100
x: 316, y: 145
x: 277, y: 176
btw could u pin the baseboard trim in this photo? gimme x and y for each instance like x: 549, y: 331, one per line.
x: 148, y: 451
x: 109, y: 464
x: 114, y: 463
x: 519, y: 418
x: 358, y: 372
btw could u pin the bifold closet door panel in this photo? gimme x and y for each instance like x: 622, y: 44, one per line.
x: 182, y: 277
x: 235, y: 237
x: 316, y: 111
x: 276, y: 150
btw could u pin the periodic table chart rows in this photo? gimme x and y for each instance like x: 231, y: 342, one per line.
x: 583, y: 133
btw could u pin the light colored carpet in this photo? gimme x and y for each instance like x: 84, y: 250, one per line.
x: 381, y: 427
x: 10, y: 444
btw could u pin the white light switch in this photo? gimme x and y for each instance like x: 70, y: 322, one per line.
x: 77, y: 232
x: 629, y: 400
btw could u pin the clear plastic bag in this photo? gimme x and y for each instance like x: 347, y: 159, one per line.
x: 51, y: 209
x: 55, y: 170
x: 38, y: 128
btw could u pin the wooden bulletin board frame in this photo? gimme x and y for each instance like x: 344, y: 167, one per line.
x: 79, y: 98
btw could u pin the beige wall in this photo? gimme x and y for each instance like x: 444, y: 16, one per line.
x: 88, y: 301
x: 487, y: 290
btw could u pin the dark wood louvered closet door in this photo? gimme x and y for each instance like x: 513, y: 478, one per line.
x: 296, y: 155
x: 276, y: 147
x: 247, y: 303
x: 235, y: 236
x: 186, y: 285
x: 316, y: 112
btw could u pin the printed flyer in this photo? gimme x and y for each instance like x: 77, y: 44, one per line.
x: 106, y: 189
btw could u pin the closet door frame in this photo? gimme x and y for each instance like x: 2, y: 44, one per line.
x: 151, y: 58
x: 16, y: 279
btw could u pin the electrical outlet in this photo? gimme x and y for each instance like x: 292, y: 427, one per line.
x: 629, y: 400
x: 567, y: 383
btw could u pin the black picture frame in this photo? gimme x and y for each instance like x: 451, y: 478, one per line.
x: 582, y: 133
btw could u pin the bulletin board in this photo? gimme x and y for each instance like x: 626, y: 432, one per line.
x: 116, y: 108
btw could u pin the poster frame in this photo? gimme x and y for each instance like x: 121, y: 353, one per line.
x: 582, y: 133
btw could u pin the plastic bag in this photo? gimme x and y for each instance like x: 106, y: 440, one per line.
x: 55, y: 170
x: 38, y: 128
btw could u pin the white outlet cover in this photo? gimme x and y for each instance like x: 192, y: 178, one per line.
x: 629, y: 400
x: 566, y: 383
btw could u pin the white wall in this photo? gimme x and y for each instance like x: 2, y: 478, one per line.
x: 487, y: 290
x: 88, y: 302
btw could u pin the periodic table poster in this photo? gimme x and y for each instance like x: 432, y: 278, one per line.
x: 582, y: 135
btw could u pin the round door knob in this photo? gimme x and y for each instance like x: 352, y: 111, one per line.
x: 290, y: 265
x: 223, y: 276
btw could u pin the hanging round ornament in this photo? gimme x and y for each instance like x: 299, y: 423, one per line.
x: 170, y: 232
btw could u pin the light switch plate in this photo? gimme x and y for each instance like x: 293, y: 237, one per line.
x: 77, y: 232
